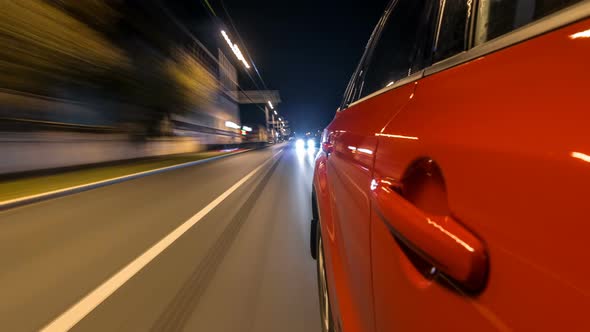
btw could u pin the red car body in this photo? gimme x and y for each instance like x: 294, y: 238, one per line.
x: 456, y: 199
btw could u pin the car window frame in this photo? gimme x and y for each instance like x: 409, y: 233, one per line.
x: 352, y: 85
x: 469, y: 18
x: 551, y: 22
x: 349, y: 96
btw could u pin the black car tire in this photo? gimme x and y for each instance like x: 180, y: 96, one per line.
x: 325, y: 304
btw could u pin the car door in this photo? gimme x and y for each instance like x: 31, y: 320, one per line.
x: 478, y: 222
x: 350, y: 163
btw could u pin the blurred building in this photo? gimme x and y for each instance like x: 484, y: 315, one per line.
x: 209, y: 122
x: 143, y: 68
x: 93, y: 81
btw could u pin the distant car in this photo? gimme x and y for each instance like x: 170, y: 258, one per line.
x: 452, y: 188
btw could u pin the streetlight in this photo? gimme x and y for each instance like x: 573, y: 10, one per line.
x: 235, y: 49
x: 231, y: 125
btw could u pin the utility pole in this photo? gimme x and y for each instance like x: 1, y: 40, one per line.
x: 272, y: 116
x: 266, y: 117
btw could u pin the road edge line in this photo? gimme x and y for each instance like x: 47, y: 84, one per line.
x: 74, y: 314
x: 17, y: 202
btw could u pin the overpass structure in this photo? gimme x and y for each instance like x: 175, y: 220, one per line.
x: 270, y: 99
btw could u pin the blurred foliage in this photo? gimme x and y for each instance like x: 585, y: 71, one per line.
x: 117, y: 50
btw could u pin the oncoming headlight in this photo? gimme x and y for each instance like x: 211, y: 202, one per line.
x: 300, y: 144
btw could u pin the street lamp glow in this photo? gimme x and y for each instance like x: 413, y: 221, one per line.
x: 235, y: 49
x: 231, y: 125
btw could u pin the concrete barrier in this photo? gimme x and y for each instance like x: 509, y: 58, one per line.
x: 23, y: 152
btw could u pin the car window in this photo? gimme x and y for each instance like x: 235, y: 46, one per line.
x: 401, y: 47
x: 451, y: 34
x: 497, y: 17
x: 351, y: 92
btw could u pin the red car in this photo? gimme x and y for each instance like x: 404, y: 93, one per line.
x: 453, y: 185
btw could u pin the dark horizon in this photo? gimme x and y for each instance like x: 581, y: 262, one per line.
x: 307, y: 51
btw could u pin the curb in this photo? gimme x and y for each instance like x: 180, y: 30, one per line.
x: 10, y: 204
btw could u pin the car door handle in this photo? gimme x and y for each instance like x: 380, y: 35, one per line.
x: 440, y: 240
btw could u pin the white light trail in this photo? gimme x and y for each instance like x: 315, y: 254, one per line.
x: 581, y: 34
x: 397, y: 136
x: 231, y: 125
x: 235, y: 49
x: 581, y: 156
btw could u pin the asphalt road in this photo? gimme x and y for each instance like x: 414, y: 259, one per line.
x: 244, y: 266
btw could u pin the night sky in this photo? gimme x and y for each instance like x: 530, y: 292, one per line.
x: 306, y: 49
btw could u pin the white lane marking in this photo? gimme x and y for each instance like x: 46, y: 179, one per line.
x: 78, y: 311
x: 116, y: 179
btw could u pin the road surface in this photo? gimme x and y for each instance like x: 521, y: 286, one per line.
x: 83, y: 261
